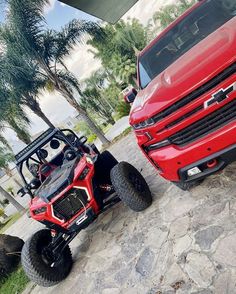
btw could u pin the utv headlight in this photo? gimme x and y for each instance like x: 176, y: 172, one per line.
x: 158, y: 145
x: 146, y: 123
x: 39, y: 210
x: 84, y: 174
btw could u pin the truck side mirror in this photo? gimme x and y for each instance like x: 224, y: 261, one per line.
x: 130, y: 95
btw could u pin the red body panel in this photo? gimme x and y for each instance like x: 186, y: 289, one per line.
x: 85, y: 184
x: 195, y: 68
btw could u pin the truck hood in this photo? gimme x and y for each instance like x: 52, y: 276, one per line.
x: 200, y: 64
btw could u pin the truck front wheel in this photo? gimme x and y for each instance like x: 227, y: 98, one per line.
x: 130, y: 186
x: 39, y: 265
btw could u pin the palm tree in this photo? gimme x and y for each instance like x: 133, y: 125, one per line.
x: 12, y: 115
x: 11, y: 199
x: 98, y: 81
x: 19, y: 127
x: 3, y: 140
x: 22, y: 76
x: 124, y: 68
x: 130, y: 37
x: 5, y: 158
x: 49, y: 48
x: 124, y: 38
x: 168, y: 13
x: 96, y: 103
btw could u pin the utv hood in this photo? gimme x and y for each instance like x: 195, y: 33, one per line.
x: 59, y: 179
x: 200, y: 64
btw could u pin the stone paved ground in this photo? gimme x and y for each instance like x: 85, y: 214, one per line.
x: 184, y: 243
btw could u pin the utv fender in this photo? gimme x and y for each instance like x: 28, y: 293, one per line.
x: 103, y: 166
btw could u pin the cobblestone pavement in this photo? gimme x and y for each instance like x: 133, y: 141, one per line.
x: 184, y: 243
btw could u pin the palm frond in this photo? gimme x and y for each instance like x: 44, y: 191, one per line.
x: 21, y: 130
x: 4, y: 141
x: 6, y: 156
x: 75, y: 30
x: 69, y: 80
x: 26, y: 19
x: 48, y: 46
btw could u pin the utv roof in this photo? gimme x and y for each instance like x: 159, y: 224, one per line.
x: 39, y: 142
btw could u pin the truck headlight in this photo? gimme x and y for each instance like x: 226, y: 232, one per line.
x: 39, y: 210
x: 146, y: 123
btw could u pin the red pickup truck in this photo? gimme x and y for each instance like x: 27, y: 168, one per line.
x: 184, y: 114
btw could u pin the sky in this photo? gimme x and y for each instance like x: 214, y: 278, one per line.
x: 80, y: 61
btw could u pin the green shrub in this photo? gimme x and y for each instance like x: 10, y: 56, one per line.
x: 15, y: 283
x: 82, y: 127
x: 5, y: 201
x: 122, y: 109
x: 2, y: 213
x: 10, y: 189
x: 92, y: 138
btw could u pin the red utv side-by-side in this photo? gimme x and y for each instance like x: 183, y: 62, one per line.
x: 70, y: 184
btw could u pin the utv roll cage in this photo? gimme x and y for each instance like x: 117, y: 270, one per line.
x: 32, y: 148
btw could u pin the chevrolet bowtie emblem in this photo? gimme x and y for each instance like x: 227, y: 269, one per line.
x: 219, y: 96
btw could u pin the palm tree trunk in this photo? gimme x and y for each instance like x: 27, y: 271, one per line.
x: 6, y: 195
x: 10, y: 175
x: 17, y: 182
x: 83, y: 113
x: 40, y: 114
x: 21, y: 133
x: 62, y: 89
x: 34, y: 106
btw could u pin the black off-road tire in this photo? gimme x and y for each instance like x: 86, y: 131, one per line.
x: 10, y: 250
x: 103, y: 166
x: 131, y: 186
x: 35, y: 266
x: 5, y: 264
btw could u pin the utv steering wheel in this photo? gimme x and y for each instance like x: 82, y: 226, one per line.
x: 69, y: 155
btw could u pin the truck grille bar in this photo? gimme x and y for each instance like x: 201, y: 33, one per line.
x: 206, y: 125
x: 70, y: 204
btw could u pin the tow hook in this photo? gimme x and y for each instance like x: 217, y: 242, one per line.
x: 212, y: 163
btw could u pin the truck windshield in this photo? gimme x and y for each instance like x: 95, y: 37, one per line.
x: 196, y: 26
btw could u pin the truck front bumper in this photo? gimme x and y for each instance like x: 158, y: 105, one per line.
x: 220, y: 159
x: 173, y: 162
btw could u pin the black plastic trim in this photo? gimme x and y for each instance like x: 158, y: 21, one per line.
x: 90, y: 218
x: 205, y: 125
x: 223, y: 157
